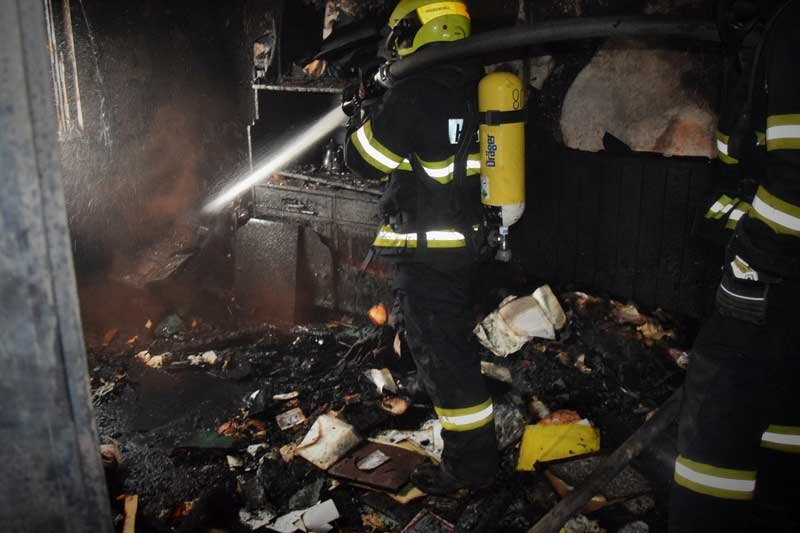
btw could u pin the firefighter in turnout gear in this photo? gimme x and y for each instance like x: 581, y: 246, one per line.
x: 422, y: 135
x: 738, y: 467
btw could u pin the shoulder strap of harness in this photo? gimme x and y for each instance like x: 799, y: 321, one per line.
x: 742, y: 134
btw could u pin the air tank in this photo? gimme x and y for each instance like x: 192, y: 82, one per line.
x: 501, y: 101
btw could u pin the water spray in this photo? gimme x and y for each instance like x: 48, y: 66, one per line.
x: 279, y: 159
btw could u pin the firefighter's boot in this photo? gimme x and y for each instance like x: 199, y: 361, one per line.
x: 437, y: 481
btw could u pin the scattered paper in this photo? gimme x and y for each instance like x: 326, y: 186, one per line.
x: 495, y: 371
x: 153, y: 361
x: 291, y: 418
x: 550, y: 305
x: 519, y: 319
x: 580, y: 364
x: 680, y: 357
x: 256, y: 519
x: 287, y: 452
x: 373, y: 461
x: 316, y: 519
x: 395, y: 405
x: 407, y: 494
x: 537, y: 407
x: 382, y: 379
x: 206, y: 358
x: 427, y: 440
x: 253, y: 449
x: 653, y: 332
x: 626, y: 314
x: 286, y: 396
x: 234, y: 462
x: 327, y: 441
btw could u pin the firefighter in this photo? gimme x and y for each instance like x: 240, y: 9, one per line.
x: 422, y: 136
x: 738, y: 467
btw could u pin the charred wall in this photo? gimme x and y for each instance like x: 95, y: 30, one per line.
x: 162, y: 99
x: 163, y: 91
x: 621, y: 225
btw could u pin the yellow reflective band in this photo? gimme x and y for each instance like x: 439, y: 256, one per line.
x: 721, y: 207
x: 473, y: 164
x: 363, y: 150
x: 373, y: 151
x: 782, y: 438
x: 722, y: 149
x: 713, y: 481
x: 387, y: 238
x: 781, y: 216
x: 445, y: 239
x: 439, y: 9
x: 783, y: 132
x: 733, y: 219
x: 761, y: 138
x: 467, y: 418
x: 385, y: 152
x: 442, y: 171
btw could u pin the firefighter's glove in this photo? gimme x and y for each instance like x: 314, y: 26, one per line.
x: 351, y: 100
x: 744, y: 293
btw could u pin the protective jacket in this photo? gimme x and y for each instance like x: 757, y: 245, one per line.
x: 431, y: 204
x: 767, y: 157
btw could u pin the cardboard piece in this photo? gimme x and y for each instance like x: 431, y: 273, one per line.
x: 391, y: 475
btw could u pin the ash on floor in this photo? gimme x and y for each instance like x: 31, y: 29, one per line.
x: 197, y: 420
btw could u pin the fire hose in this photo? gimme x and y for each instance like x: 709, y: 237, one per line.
x: 550, y: 32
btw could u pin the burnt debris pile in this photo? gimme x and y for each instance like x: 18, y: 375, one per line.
x: 318, y: 428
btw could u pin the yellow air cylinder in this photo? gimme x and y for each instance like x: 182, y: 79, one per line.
x: 502, y: 138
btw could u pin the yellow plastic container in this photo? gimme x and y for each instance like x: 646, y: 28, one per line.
x: 541, y: 443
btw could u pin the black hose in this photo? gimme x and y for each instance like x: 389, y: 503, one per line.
x: 552, y: 32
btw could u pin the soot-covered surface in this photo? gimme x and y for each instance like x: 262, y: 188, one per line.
x: 611, y: 364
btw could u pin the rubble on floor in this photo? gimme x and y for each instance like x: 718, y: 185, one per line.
x: 318, y: 428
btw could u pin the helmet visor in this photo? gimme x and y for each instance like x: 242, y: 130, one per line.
x: 402, y: 35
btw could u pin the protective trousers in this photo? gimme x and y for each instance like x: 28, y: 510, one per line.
x: 739, y: 431
x: 437, y: 316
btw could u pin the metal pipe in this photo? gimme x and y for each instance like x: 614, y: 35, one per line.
x: 613, y: 465
x: 552, y: 32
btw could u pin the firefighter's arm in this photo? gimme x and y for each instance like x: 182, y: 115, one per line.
x: 762, y: 266
x: 771, y: 229
x: 384, y: 140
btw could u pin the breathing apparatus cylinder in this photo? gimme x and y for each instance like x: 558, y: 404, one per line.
x: 502, y: 141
